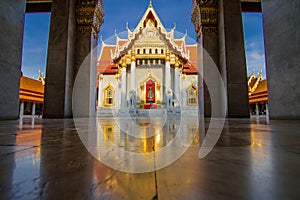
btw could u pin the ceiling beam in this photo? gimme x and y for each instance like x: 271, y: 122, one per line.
x: 33, y: 6
x: 251, y: 5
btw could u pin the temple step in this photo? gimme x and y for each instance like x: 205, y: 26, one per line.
x: 150, y: 112
x: 106, y: 112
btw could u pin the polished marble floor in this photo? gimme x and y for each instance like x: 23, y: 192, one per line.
x: 47, y: 159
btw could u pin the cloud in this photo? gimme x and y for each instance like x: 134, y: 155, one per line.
x: 255, y: 58
x: 254, y: 43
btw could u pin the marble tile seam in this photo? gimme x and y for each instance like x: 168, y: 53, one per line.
x: 16, y: 151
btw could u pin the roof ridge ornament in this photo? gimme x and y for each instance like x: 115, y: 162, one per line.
x: 150, y: 4
x: 174, y: 27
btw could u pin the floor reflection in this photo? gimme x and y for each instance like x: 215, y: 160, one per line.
x: 48, y: 160
x: 138, y: 144
x: 143, y: 135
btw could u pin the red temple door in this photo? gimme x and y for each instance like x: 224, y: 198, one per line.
x: 150, y: 91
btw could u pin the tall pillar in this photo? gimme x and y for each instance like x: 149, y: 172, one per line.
x: 11, y: 38
x: 84, y: 91
x: 204, y: 18
x: 232, y: 57
x: 257, y: 109
x: 220, y: 34
x: 167, y: 77
x: 132, y: 72
x: 180, y: 89
x: 88, y: 21
x: 117, y: 92
x: 281, y: 33
x: 33, y: 109
x: 123, y: 85
x: 59, y: 71
x: 70, y: 42
x: 176, y: 82
x: 21, y: 112
x: 100, y: 90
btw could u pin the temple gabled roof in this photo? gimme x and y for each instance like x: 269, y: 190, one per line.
x: 150, y: 14
x: 151, y: 19
x: 150, y: 22
x: 257, y: 89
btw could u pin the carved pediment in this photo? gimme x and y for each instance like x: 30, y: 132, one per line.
x: 150, y: 35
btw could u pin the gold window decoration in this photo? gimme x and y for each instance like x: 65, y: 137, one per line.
x: 109, y: 96
x: 192, y: 94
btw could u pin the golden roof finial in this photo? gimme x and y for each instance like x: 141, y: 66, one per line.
x: 150, y: 3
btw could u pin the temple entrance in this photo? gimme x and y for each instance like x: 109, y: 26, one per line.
x: 150, y: 95
x: 150, y: 92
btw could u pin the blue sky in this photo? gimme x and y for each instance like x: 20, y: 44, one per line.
x: 35, y: 43
x: 118, y: 13
x: 254, y: 43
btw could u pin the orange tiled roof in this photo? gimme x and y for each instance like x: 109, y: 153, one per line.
x: 179, y: 43
x: 121, y: 42
x: 31, y: 90
x: 109, y: 69
x: 193, y: 55
x: 105, y: 64
x: 262, y: 87
x: 189, y: 69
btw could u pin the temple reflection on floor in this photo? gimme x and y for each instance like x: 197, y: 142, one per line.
x: 145, y: 134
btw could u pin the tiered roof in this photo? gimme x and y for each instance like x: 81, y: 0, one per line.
x: 111, y: 54
x: 31, y: 90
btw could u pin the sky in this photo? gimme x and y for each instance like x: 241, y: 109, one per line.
x: 35, y: 43
x: 118, y: 13
x: 254, y: 43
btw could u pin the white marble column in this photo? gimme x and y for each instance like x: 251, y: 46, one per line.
x: 257, y: 109
x: 117, y: 92
x: 168, y: 75
x: 123, y: 87
x: 21, y: 109
x: 33, y: 109
x: 167, y: 78
x: 180, y: 89
x: 267, y: 109
x: 176, y: 84
x: 132, y: 73
x: 100, y: 90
